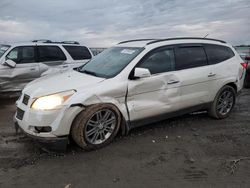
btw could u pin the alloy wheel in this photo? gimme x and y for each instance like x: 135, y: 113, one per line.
x: 100, y: 126
x: 225, y: 102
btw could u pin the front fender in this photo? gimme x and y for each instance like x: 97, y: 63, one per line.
x: 119, y: 102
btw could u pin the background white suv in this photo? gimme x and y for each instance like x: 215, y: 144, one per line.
x: 133, y: 83
x: 22, y: 63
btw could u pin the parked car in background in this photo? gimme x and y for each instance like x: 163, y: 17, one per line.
x: 247, y: 77
x: 244, y: 52
x: 131, y: 84
x: 22, y: 63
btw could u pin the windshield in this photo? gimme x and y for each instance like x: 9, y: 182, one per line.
x: 3, y: 49
x: 110, y: 62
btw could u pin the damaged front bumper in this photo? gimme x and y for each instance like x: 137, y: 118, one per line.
x: 44, y: 126
x: 54, y: 143
x: 45, y: 140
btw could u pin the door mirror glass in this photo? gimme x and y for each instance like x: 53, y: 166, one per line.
x: 141, y: 73
x: 10, y: 63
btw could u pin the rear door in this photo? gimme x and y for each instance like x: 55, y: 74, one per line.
x: 224, y: 65
x: 26, y: 69
x: 157, y: 94
x: 193, y: 73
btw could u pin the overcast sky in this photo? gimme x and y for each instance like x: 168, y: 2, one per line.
x: 102, y: 23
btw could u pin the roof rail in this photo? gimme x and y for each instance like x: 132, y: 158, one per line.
x: 57, y: 42
x: 42, y: 40
x: 126, y: 41
x: 181, y: 38
x: 70, y: 42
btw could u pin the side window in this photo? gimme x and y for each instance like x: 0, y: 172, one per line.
x: 159, y: 61
x: 27, y: 55
x: 190, y: 57
x: 50, y: 53
x: 217, y: 53
x: 22, y: 54
x: 78, y: 52
x: 13, y: 55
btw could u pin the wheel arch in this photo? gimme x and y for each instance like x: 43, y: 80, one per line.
x: 124, y: 128
x: 233, y: 85
x: 229, y: 83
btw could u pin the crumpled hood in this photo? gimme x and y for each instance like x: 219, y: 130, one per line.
x: 70, y: 80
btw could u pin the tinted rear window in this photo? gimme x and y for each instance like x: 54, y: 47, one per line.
x: 217, y: 53
x: 190, y: 57
x: 50, y: 53
x: 78, y: 52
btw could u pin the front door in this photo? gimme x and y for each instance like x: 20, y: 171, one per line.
x: 157, y: 94
x: 26, y: 69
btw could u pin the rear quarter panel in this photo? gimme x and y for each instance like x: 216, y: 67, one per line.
x: 229, y: 71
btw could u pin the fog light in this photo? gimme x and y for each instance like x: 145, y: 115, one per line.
x: 45, y: 129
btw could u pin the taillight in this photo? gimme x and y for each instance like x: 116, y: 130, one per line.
x: 244, y: 65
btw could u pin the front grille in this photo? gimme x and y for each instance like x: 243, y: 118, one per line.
x: 19, y: 114
x: 26, y: 99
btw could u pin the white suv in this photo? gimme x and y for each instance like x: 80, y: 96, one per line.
x: 22, y: 63
x: 133, y: 83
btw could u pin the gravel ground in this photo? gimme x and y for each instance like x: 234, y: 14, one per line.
x: 192, y: 151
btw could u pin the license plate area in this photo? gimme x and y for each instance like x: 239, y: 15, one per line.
x: 19, y: 114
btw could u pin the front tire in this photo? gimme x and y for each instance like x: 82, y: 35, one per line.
x: 96, y: 126
x: 223, y: 102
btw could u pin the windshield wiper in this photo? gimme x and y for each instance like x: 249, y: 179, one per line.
x: 89, y: 72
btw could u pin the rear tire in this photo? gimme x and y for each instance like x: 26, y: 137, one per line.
x: 223, y: 103
x: 96, y: 126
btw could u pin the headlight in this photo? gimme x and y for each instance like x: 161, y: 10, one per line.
x: 51, y: 102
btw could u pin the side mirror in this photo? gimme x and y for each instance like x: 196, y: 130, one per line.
x: 10, y: 63
x: 141, y: 73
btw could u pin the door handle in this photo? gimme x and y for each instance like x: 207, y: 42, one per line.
x: 211, y: 74
x: 173, y: 82
x: 65, y: 66
x: 32, y: 69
